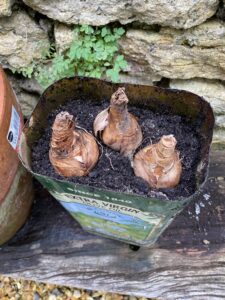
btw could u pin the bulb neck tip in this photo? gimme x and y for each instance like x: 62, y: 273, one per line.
x: 166, y: 145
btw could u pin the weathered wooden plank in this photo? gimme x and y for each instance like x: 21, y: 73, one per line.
x: 188, y: 261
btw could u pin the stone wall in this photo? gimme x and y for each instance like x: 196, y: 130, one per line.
x: 186, y: 47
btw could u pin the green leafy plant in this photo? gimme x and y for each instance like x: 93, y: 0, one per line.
x: 46, y: 54
x: 93, y: 52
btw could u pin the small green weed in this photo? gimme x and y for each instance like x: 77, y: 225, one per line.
x: 93, y: 52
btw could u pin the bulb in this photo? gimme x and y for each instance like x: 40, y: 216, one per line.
x: 116, y: 127
x: 159, y: 164
x: 73, y: 151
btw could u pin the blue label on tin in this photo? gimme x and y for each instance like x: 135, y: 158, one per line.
x: 108, y: 222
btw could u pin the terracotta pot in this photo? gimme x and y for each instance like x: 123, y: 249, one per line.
x: 15, y: 183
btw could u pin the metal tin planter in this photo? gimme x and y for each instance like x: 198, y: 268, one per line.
x: 15, y: 182
x: 127, y: 217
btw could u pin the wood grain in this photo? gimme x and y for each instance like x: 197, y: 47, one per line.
x: 188, y: 261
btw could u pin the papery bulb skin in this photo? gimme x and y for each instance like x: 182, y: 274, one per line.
x: 116, y: 127
x: 73, y: 151
x: 159, y: 164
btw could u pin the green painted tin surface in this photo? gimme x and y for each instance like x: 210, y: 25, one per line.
x: 118, y: 215
x: 131, y: 218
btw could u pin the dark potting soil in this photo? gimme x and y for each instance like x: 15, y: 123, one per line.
x: 113, y: 171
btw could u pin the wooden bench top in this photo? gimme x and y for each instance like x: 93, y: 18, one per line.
x: 188, y: 261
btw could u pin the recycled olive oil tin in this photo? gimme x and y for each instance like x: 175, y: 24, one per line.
x: 127, y: 217
x: 15, y: 181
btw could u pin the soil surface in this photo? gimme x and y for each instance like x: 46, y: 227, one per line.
x: 113, y: 171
